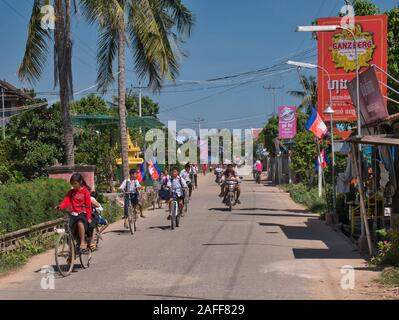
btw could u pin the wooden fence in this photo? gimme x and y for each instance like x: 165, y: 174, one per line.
x: 12, y: 241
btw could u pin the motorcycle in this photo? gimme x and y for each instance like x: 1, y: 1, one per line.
x: 231, y: 194
x: 218, y: 177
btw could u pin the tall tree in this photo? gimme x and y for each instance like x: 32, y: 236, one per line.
x: 309, y: 93
x: 35, y: 57
x: 153, y: 29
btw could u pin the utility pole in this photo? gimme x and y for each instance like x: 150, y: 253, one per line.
x: 3, y: 114
x: 198, y: 122
x: 273, y: 91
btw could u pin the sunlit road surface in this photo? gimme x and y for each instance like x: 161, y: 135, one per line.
x: 267, y: 248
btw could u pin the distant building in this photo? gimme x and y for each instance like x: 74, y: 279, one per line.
x: 13, y: 99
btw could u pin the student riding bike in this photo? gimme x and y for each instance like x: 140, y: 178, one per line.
x: 178, y: 185
x: 131, y: 188
x: 185, y: 175
x: 78, y: 203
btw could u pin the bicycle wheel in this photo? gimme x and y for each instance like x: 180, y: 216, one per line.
x: 173, y: 215
x: 131, y: 220
x: 177, y: 220
x: 135, y: 219
x: 85, y: 258
x: 65, y: 254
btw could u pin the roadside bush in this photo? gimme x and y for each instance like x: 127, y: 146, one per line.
x: 112, y: 211
x: 23, y: 205
x: 308, y: 197
x: 29, y: 248
x: 388, y: 251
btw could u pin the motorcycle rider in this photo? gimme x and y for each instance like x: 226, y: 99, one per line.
x: 258, y: 168
x: 218, y: 172
x: 229, y: 174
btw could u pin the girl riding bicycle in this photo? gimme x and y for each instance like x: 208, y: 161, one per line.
x: 78, y: 203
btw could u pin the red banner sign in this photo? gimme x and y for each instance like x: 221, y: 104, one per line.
x: 337, y: 56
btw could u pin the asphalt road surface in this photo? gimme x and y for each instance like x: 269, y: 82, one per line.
x: 267, y: 248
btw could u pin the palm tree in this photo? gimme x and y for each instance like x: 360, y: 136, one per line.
x: 152, y: 29
x: 309, y: 95
x: 35, y: 58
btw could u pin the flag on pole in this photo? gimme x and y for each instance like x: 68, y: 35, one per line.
x: 322, y: 160
x: 154, y: 160
x: 316, y: 125
x: 141, y: 173
x: 152, y: 170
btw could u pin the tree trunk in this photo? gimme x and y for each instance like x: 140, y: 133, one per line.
x: 63, y: 72
x: 122, y: 98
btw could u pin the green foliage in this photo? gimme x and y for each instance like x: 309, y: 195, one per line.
x: 365, y: 8
x: 29, y: 247
x: 148, y: 106
x: 308, y: 95
x: 308, y: 197
x: 303, y: 156
x: 388, y: 251
x: 112, y: 211
x: 268, y: 134
x: 390, y: 277
x: 34, y: 142
x: 91, y: 105
x: 30, y: 203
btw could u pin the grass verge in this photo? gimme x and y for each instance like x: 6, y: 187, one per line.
x: 390, y: 277
x: 306, y: 196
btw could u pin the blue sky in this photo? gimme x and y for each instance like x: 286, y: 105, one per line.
x: 230, y: 37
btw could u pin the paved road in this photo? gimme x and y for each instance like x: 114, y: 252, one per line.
x: 267, y: 248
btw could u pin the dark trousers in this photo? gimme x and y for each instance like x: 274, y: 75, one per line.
x: 195, y: 181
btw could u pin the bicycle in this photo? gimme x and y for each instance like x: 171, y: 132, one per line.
x: 156, y: 199
x: 186, y: 200
x: 99, y: 230
x: 66, y: 248
x: 132, y: 212
x: 258, y: 176
x: 174, y: 211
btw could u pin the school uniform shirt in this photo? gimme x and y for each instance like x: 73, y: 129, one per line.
x: 130, y: 186
x: 185, y: 175
x: 177, y: 185
x: 78, y: 201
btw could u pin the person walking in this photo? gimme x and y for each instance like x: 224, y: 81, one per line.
x: 204, y: 167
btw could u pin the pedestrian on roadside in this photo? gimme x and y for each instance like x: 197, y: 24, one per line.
x: 204, y: 167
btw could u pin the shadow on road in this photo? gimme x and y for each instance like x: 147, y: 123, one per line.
x: 313, y: 230
x: 160, y: 227
x: 275, y: 215
x: 119, y: 232
x: 219, y: 209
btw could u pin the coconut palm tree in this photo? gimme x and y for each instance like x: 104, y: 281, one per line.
x: 35, y: 58
x: 309, y: 95
x: 152, y: 29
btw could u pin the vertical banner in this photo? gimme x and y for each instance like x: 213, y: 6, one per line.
x: 287, y: 122
x: 336, y: 53
x: 372, y: 105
